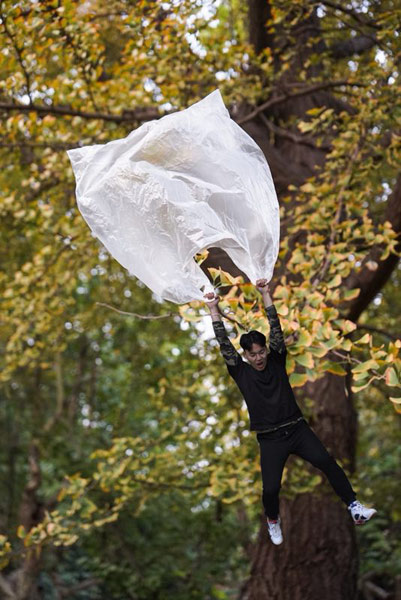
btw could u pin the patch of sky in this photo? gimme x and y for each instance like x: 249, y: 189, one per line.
x: 361, y: 6
x: 166, y: 106
x: 383, y: 197
x: 225, y: 75
x: 206, y: 432
x: 377, y: 300
x: 195, y: 45
x: 353, y: 65
x: 381, y: 57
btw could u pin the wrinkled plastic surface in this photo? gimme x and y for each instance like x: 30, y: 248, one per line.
x: 175, y: 186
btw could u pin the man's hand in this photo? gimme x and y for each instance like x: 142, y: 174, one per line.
x: 263, y: 287
x: 212, y: 301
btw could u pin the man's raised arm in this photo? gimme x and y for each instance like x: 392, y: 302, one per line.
x: 276, y: 340
x: 227, y: 350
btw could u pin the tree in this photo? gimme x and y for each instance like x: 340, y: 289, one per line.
x: 317, y: 86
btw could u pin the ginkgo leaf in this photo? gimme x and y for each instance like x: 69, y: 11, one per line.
x: 298, y: 379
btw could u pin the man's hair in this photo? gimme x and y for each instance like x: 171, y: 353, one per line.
x: 252, y: 337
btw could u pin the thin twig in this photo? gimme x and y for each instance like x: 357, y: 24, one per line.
x: 352, y: 13
x: 284, y: 133
x: 131, y: 314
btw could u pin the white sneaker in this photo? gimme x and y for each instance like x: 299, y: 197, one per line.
x: 360, y: 513
x: 274, y: 530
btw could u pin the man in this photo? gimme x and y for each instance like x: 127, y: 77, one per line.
x: 276, y: 418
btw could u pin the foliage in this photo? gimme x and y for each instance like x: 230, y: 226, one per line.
x: 132, y: 417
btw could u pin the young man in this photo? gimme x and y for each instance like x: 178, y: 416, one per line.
x: 274, y: 414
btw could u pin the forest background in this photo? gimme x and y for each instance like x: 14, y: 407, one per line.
x: 127, y: 466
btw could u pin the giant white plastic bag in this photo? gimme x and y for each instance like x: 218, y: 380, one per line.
x: 175, y: 186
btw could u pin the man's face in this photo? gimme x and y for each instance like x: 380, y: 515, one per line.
x: 257, y: 356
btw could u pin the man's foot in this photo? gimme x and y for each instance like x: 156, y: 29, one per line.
x: 274, y: 529
x: 360, y: 513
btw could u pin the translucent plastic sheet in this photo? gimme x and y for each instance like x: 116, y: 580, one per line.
x: 175, y: 186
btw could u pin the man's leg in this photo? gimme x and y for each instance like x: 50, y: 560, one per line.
x: 307, y: 445
x: 273, y: 454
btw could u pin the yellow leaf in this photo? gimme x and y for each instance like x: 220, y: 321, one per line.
x: 348, y: 326
x: 365, y: 339
x: 335, y: 282
x: 21, y: 533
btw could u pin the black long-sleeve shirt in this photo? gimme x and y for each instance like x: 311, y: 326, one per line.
x: 267, y: 393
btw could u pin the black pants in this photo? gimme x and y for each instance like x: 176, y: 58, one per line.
x: 296, y: 439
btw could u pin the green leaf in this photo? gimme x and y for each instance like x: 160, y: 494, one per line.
x: 333, y: 367
x: 365, y: 339
x: 351, y: 294
x: 365, y: 366
x: 318, y: 351
x: 305, y: 360
x: 358, y: 388
x: 298, y: 379
x: 304, y: 338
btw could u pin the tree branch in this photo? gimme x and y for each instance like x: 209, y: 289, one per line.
x: 53, y: 145
x: 68, y: 592
x: 128, y: 116
x: 356, y: 45
x: 303, y: 92
x: 289, y: 135
x: 359, y: 17
x: 390, y: 336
